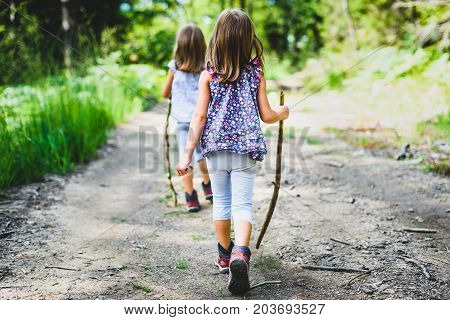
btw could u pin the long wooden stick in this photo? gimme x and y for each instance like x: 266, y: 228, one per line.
x: 264, y: 283
x: 421, y: 266
x: 420, y: 230
x: 166, y: 155
x: 276, y: 187
x: 336, y: 269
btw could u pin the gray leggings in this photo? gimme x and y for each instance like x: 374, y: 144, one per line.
x: 232, y: 180
x: 182, y: 137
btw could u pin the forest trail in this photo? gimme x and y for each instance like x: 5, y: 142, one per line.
x: 106, y: 232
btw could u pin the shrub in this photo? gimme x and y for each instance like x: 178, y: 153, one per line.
x: 62, y: 121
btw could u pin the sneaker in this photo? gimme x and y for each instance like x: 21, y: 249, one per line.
x: 192, y: 203
x: 223, y: 265
x: 238, y: 281
x: 207, y: 191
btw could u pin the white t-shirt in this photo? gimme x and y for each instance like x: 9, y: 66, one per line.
x: 184, y: 93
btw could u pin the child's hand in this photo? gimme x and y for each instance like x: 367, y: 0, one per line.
x: 183, y: 168
x: 283, y: 114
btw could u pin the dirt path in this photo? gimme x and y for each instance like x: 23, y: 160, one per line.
x: 106, y: 232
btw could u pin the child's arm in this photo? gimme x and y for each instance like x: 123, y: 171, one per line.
x: 167, y: 90
x: 267, y: 114
x: 197, y: 123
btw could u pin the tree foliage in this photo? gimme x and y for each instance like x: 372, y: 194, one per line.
x: 144, y: 30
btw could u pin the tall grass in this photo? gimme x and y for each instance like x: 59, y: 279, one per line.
x: 60, y: 122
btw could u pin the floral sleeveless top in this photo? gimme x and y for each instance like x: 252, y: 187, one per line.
x: 233, y: 122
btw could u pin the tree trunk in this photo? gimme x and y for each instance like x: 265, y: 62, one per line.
x: 66, y: 28
x: 243, y: 4
x: 12, y: 11
x: 222, y: 5
x: 250, y: 9
x: 350, y: 25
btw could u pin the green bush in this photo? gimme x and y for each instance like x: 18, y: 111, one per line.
x: 352, y: 69
x: 436, y: 129
x: 62, y: 121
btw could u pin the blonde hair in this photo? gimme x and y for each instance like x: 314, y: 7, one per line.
x: 190, y: 47
x: 232, y: 44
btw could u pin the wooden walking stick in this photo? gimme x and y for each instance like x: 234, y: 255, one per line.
x: 276, y: 184
x: 166, y: 156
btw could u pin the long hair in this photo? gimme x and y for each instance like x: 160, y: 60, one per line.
x: 190, y: 47
x: 232, y: 44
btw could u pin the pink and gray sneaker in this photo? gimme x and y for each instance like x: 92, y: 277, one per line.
x: 207, y: 191
x: 192, y: 203
x: 223, y: 261
x: 223, y: 264
x: 238, y: 281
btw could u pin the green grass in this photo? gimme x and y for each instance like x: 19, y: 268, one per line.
x: 267, y: 262
x: 141, y: 286
x: 441, y: 166
x: 119, y: 219
x: 59, y: 122
x: 167, y: 199
x: 182, y: 264
x: 198, y: 237
x: 289, y: 133
x: 436, y: 129
x: 148, y: 269
x: 176, y: 213
x: 313, y: 142
x: 358, y: 139
x: 268, y: 133
x: 276, y: 69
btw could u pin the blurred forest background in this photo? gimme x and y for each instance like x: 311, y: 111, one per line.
x: 72, y: 69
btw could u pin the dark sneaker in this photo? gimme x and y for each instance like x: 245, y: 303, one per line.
x: 223, y: 264
x: 207, y: 191
x: 238, y: 281
x: 192, y: 203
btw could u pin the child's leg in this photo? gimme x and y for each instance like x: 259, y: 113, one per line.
x: 242, y: 181
x: 190, y: 194
x: 204, y: 171
x: 242, y: 232
x: 188, y: 182
x: 223, y: 232
x: 220, y: 182
x: 221, y: 186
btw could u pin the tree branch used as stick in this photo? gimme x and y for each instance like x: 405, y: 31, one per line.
x: 421, y: 266
x: 420, y: 230
x: 276, y: 187
x: 7, y: 233
x: 61, y: 268
x: 340, y: 241
x: 362, y: 275
x: 264, y: 283
x: 335, y: 269
x: 10, y: 287
x: 166, y: 155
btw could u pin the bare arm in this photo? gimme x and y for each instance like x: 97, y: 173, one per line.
x: 167, y: 89
x: 198, y: 121
x: 267, y: 114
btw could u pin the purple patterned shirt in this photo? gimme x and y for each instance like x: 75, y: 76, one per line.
x: 233, y: 122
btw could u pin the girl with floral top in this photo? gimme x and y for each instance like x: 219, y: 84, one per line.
x: 232, y: 100
x: 182, y: 88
